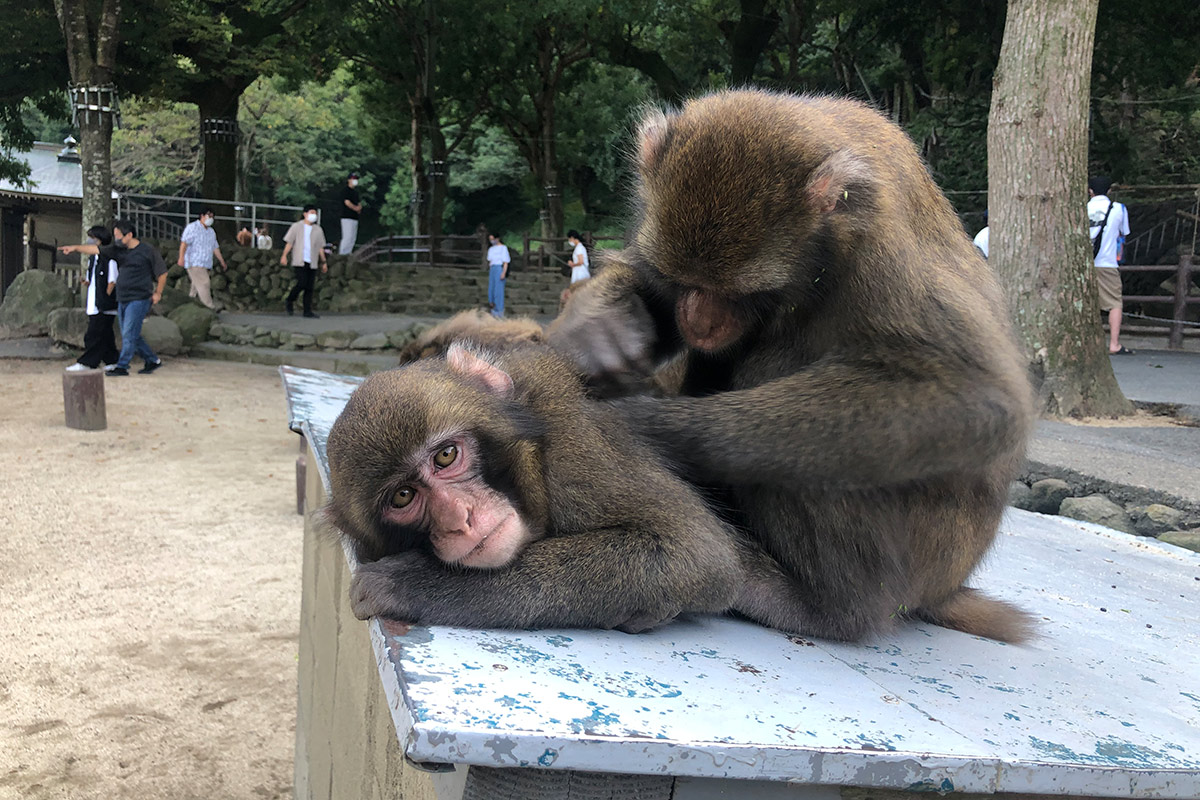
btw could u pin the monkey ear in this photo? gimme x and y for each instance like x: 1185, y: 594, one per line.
x: 832, y: 184
x: 651, y: 134
x: 463, y: 362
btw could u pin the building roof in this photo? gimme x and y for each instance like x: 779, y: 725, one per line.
x: 49, y: 178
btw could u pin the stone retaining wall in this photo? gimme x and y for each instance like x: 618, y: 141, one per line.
x: 256, y: 281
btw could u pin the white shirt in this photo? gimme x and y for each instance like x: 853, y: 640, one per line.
x: 201, y: 241
x: 1118, y: 225
x: 580, y: 272
x: 498, y: 254
x: 263, y: 242
x: 92, y: 308
x: 981, y: 240
x: 308, y: 259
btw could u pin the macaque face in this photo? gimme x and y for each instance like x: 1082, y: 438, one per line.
x: 469, y: 523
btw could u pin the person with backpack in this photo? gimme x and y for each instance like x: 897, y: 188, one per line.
x: 1108, y: 223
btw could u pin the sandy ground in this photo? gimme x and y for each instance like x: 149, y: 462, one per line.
x: 149, y: 587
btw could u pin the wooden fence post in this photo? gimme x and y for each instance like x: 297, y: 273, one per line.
x: 1183, y: 282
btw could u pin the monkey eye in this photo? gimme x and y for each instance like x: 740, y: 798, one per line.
x: 446, y: 456
x: 403, y: 496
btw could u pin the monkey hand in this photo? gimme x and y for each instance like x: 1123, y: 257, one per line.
x: 388, y: 587
x: 610, y: 336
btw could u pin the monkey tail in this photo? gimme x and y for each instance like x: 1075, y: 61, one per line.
x: 971, y: 611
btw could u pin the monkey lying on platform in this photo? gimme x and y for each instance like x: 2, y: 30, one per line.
x: 477, y: 327
x: 485, y: 490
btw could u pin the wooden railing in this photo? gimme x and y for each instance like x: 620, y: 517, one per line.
x: 1180, y: 301
x: 536, y: 253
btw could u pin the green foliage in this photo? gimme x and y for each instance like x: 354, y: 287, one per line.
x: 156, y: 151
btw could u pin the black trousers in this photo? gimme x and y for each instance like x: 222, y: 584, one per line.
x: 306, y: 278
x: 100, y: 341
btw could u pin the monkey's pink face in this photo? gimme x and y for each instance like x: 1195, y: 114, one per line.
x: 470, y: 524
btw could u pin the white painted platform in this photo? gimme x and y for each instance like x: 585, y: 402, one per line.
x: 1105, y: 703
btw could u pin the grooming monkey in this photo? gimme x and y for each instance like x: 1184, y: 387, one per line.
x: 476, y: 327
x: 851, y: 387
x: 485, y: 490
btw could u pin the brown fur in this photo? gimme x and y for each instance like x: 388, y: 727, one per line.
x: 475, y: 326
x: 865, y: 415
x: 619, y: 540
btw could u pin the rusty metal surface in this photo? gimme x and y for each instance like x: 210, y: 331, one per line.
x: 1106, y: 702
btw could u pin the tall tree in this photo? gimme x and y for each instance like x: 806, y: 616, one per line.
x: 33, y: 70
x: 415, y: 72
x: 529, y: 65
x: 215, y: 50
x: 1037, y: 172
x: 90, y: 32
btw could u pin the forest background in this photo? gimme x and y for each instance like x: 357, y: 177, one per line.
x: 529, y: 106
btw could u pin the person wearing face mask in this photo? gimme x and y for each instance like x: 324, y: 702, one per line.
x: 351, y: 208
x: 99, y: 341
x: 305, y: 243
x: 141, y: 278
x: 197, y: 246
x: 498, y: 260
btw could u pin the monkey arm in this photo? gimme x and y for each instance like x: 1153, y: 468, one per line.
x: 836, y: 423
x: 628, y: 578
x: 616, y: 330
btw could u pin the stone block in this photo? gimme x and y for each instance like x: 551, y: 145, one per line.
x: 303, y: 340
x: 173, y: 299
x: 1020, y: 496
x: 1098, y: 509
x: 194, y: 322
x: 370, y: 341
x: 1047, y: 495
x: 1156, y: 518
x: 162, y: 335
x: 1186, y: 539
x: 336, y: 339
x: 68, y: 325
x: 29, y: 300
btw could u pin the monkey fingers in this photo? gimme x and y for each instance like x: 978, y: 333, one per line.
x: 379, y: 588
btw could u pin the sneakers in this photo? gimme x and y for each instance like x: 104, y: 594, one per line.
x: 116, y: 372
x: 311, y: 315
x: 77, y: 367
x: 147, y: 369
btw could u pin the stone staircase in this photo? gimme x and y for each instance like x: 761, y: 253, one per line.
x: 423, y: 290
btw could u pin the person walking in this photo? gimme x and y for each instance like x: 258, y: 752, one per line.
x: 141, y: 278
x: 99, y: 341
x: 197, y: 247
x: 351, y: 208
x: 1108, y: 222
x: 305, y: 243
x: 498, y: 259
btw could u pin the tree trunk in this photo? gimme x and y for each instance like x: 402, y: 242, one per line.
x: 420, y: 182
x: 552, y: 222
x: 95, y: 156
x: 219, y: 133
x: 92, y: 64
x: 1037, y: 170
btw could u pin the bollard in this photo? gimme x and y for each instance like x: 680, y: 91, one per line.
x: 83, y: 400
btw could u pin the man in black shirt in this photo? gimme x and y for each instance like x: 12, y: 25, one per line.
x: 351, y: 208
x: 141, y: 278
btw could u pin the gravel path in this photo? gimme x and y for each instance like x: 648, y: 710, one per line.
x: 150, y: 576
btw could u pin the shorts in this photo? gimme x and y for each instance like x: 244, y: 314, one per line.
x: 1108, y: 279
